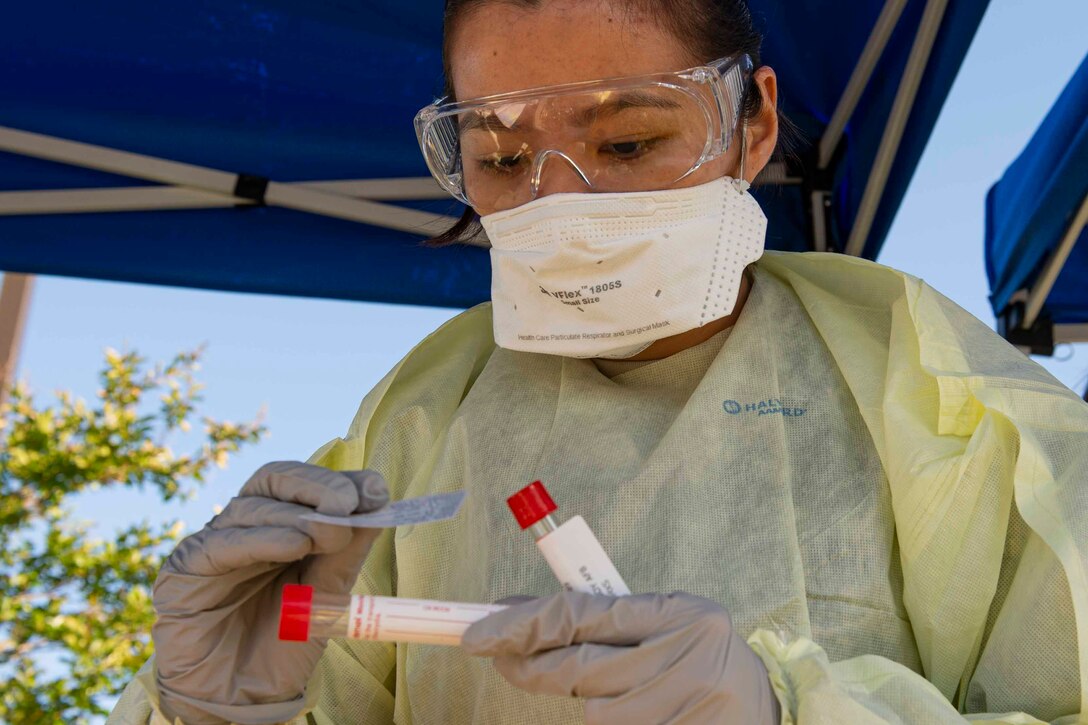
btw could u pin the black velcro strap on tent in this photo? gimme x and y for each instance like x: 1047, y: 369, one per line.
x: 1039, y: 338
x: 251, y: 187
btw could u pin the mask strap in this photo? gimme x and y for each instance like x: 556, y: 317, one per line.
x: 740, y: 182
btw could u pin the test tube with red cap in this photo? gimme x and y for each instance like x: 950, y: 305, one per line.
x: 308, y: 614
x: 570, y: 548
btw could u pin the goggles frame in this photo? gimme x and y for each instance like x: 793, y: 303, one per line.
x: 727, y: 79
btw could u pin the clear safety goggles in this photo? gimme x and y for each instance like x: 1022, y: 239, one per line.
x: 639, y: 133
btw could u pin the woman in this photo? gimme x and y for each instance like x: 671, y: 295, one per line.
x: 865, y: 505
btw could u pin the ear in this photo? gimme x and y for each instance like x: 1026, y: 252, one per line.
x: 762, y: 133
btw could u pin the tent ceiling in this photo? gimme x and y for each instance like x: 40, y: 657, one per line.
x: 1036, y: 234
x: 312, y: 103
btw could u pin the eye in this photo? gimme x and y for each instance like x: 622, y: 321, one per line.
x: 507, y: 162
x: 499, y: 162
x: 496, y: 164
x: 627, y: 150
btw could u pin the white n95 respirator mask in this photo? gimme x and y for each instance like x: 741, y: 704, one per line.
x: 607, y: 274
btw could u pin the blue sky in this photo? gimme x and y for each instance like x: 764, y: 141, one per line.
x: 309, y: 362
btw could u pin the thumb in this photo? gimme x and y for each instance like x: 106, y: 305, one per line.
x: 372, y: 488
x: 516, y: 599
x: 337, y: 572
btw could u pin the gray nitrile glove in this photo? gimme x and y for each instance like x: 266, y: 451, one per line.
x: 217, y: 652
x: 645, y: 658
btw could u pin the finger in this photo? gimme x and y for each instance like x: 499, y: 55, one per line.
x: 337, y: 572
x: 254, y: 512
x: 585, y: 670
x: 701, y: 679
x: 516, y: 599
x: 659, y: 701
x: 573, y: 617
x: 181, y: 594
x: 372, y: 490
x: 327, y: 491
x: 213, y: 553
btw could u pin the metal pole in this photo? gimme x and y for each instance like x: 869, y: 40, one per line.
x: 897, y: 123
x: 859, y: 79
x: 176, y: 173
x: 14, y: 303
x: 150, y: 198
x: 819, y: 220
x: 1041, y: 289
x: 1070, y: 333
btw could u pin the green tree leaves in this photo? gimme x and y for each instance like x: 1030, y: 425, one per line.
x: 75, y: 612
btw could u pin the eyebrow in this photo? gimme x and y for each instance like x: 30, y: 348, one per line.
x: 625, y: 101
x: 620, y: 102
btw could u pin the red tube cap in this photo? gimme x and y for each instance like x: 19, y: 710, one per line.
x: 531, y: 504
x: 295, y: 612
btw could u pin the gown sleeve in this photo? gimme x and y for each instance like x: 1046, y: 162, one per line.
x: 987, y: 461
x: 397, y: 425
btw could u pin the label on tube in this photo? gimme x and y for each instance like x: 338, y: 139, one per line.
x: 392, y: 619
x: 579, y: 561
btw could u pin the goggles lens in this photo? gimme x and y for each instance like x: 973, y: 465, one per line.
x: 644, y: 136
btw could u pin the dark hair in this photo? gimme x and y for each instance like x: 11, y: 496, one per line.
x: 709, y: 28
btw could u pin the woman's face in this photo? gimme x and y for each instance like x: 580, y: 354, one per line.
x: 498, y: 47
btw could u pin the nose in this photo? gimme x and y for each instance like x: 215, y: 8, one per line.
x: 563, y: 175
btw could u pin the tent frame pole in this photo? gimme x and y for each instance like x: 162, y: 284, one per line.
x: 150, y: 168
x: 1065, y: 334
x: 1045, y: 282
x: 152, y: 198
x: 14, y: 305
x: 818, y: 199
x: 859, y: 79
x: 917, y: 61
x: 820, y: 194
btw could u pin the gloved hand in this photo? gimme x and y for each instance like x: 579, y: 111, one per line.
x: 645, y: 658
x: 217, y: 651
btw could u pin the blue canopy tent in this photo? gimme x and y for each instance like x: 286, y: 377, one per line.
x: 267, y: 145
x: 1037, y: 230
